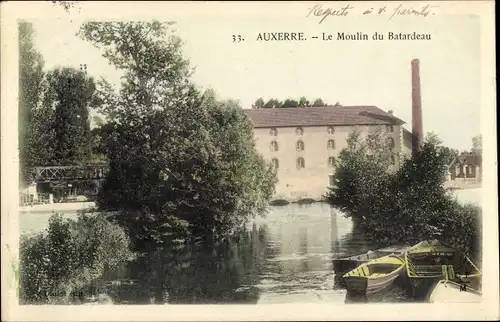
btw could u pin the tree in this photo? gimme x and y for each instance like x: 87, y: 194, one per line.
x: 448, y: 153
x: 259, y: 103
x: 182, y: 164
x: 303, y: 102
x: 361, y: 169
x: 273, y: 103
x: 477, y: 144
x: 71, y: 91
x: 290, y: 103
x: 405, y: 204
x: 32, y: 132
x: 318, y: 103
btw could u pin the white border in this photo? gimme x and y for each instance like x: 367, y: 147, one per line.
x: 11, y: 11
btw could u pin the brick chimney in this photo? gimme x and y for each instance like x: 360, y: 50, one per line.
x: 416, y: 105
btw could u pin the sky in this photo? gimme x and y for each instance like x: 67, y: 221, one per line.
x: 348, y: 72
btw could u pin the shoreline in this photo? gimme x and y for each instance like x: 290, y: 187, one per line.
x: 57, y: 207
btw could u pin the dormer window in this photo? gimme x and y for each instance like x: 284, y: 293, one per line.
x: 273, y: 132
x: 331, y: 130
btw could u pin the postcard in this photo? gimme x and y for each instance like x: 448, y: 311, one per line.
x: 249, y: 161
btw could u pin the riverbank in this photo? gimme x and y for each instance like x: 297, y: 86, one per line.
x: 57, y: 207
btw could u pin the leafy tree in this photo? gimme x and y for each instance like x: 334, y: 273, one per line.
x: 318, y: 103
x: 290, y: 103
x: 259, y: 103
x: 361, y: 169
x: 273, y: 103
x: 405, y: 204
x: 181, y: 163
x: 448, y: 153
x: 477, y: 144
x: 33, y: 132
x: 303, y: 102
x: 71, y: 91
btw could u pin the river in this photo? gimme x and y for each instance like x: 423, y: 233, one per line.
x: 284, y: 257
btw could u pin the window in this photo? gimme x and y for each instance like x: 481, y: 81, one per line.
x: 391, y: 143
x: 300, y: 145
x: 331, y: 162
x: 300, y: 163
x: 331, y: 144
x: 389, y: 128
x: 331, y: 130
x: 273, y: 132
x: 274, y: 146
x: 275, y: 163
x: 331, y: 180
x: 393, y: 159
x: 299, y: 131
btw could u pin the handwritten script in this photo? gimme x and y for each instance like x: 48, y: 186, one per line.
x: 321, y: 13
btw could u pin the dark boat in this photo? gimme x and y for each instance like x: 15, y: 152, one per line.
x: 428, y: 262
x: 346, y: 264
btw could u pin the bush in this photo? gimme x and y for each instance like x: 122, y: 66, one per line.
x: 71, y: 254
x: 407, y: 204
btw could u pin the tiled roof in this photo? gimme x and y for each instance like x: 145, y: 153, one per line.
x: 320, y: 116
x: 468, y: 159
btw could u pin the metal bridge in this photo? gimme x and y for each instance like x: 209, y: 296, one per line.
x: 70, y: 173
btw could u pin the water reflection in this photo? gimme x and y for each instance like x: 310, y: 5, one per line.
x: 283, y: 257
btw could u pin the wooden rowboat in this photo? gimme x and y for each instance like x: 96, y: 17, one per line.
x: 375, y: 275
x: 428, y: 261
x: 447, y: 291
x: 346, y: 264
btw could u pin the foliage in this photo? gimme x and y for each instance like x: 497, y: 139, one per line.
x: 70, y: 255
x: 275, y: 103
x: 303, y: 102
x: 448, y: 153
x: 53, y: 111
x: 477, y: 144
x: 70, y: 92
x: 259, y: 103
x: 407, y: 204
x: 361, y: 169
x: 32, y: 128
x: 318, y: 103
x: 67, y: 5
x: 181, y: 163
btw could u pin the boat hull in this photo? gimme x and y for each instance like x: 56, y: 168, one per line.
x: 421, y: 287
x: 367, y: 286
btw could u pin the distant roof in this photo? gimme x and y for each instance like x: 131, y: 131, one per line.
x: 469, y: 158
x: 320, y: 116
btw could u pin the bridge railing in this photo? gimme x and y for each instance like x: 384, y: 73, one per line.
x: 58, y: 173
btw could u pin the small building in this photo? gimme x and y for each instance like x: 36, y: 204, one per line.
x: 467, y: 165
x: 303, y: 143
